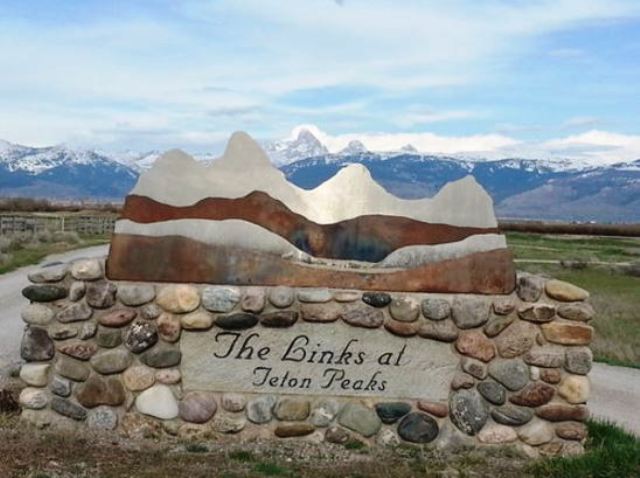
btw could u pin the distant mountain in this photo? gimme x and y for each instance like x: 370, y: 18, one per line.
x: 305, y: 145
x: 59, y: 172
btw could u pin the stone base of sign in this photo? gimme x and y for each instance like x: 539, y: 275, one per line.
x: 236, y: 363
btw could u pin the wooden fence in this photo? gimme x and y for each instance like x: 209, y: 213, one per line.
x: 33, y: 223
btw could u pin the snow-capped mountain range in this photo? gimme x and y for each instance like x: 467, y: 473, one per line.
x: 557, y: 188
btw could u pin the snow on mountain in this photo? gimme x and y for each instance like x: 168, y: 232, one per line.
x: 305, y: 145
x: 354, y: 147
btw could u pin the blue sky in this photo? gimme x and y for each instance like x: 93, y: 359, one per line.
x: 539, y: 77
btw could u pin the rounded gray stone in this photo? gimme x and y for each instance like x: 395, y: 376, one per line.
x: 314, y: 295
x: 512, y: 415
x: 513, y: 374
x: 77, y: 290
x: 197, y: 407
x: 140, y: 336
x: 150, y: 311
x: 363, y: 316
x: 260, y: 410
x: 111, y: 361
x: 37, y: 314
x: 88, y: 330
x: 162, y: 356
x: 60, y: 386
x: 102, y: 418
x: 281, y: 296
x: 73, y: 369
x: 468, y: 411
x: 237, y: 321
x: 469, y: 312
x: 474, y: 367
x: 220, y: 299
x: 529, y: 287
x: 76, y: 312
x: 360, y: 419
x: 376, y: 299
x: 323, y: 412
x: 418, y: 427
x: 493, y: 392
x: 68, y: 409
x: 404, y: 309
x: 44, y: 292
x: 59, y: 331
x: 36, y: 345
x: 442, y: 330
x: 101, y: 294
x: 136, y: 294
x: 578, y: 360
x: 435, y: 308
x: 87, y: 269
x: 108, y: 338
x: 52, y: 273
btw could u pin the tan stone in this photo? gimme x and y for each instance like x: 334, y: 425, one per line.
x: 292, y: 409
x: 286, y: 430
x: 199, y: 320
x: 571, y: 431
x: 565, y: 292
x: 346, y: 295
x: 567, y: 333
x: 403, y: 329
x: 559, y: 412
x: 168, y: 376
x: 580, y: 311
x: 536, y: 433
x: 497, y: 434
x: 436, y: 409
x: 326, y: 312
x: 179, y: 298
x: 575, y: 388
x: 169, y: 327
x: 517, y: 339
x: 475, y: 344
x: 138, y: 378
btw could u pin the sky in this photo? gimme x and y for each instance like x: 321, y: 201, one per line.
x: 543, y: 78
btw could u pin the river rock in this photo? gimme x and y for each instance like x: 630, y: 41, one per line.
x: 36, y: 345
x: 162, y: 357
x: 404, y: 309
x: 493, y: 392
x: 52, y: 273
x: 68, y: 408
x: 314, y: 295
x: 517, y: 339
x: 442, y: 330
x: 150, y: 311
x: 435, y: 309
x: 178, y: 298
x: 44, y: 292
x: 77, y: 291
x: 79, y: 349
x: 533, y: 395
x: 579, y: 360
x: 402, y: 329
x: 33, y: 398
x: 546, y: 356
x: 475, y: 344
x: 158, y: 401
x: 198, y: 320
x: 287, y: 430
x: 550, y: 375
x: 168, y: 327
x: 168, y: 376
x: 292, y: 409
x: 568, y: 333
x: 73, y: 369
x: 512, y: 373
x: 496, y: 325
x: 101, y: 294
x: 462, y: 380
x: 233, y: 402
x: 571, y: 431
x: 253, y: 300
x: 99, y: 390
x: 503, y: 306
x: 37, y: 314
x: 225, y: 423
x: 60, y: 386
x: 538, y: 313
x: 436, y: 409
x: 575, y: 388
x: 417, y: 427
x: 220, y: 298
x: 387, y: 438
x: 140, y: 336
x: 102, y: 418
x: 281, y: 296
x: 346, y: 295
x: 280, y: 318
x: 360, y: 419
x: 237, y: 321
x: 260, y: 409
x: 511, y: 415
x: 62, y: 331
x: 565, y: 292
x: 536, y: 433
x: 197, y: 407
x: 108, y: 338
x: 337, y: 435
x: 474, y: 367
x: 363, y: 316
x: 469, y: 311
x: 111, y: 361
x: 529, y: 288
x: 327, y: 312
x: 579, y: 311
x: 87, y: 269
x: 136, y: 294
x: 88, y: 330
x: 495, y: 434
x: 74, y: 313
x: 35, y: 374
x: 391, y: 412
x: 468, y: 411
x: 376, y: 299
x: 559, y: 412
x: 138, y: 377
x: 324, y: 412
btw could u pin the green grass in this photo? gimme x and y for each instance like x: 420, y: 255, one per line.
x: 610, y: 453
x: 242, y: 456
x: 270, y: 469
x: 33, y: 254
x: 196, y: 448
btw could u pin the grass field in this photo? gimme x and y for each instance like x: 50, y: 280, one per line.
x: 614, y: 294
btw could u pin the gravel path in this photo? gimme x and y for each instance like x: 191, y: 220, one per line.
x: 615, y: 390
